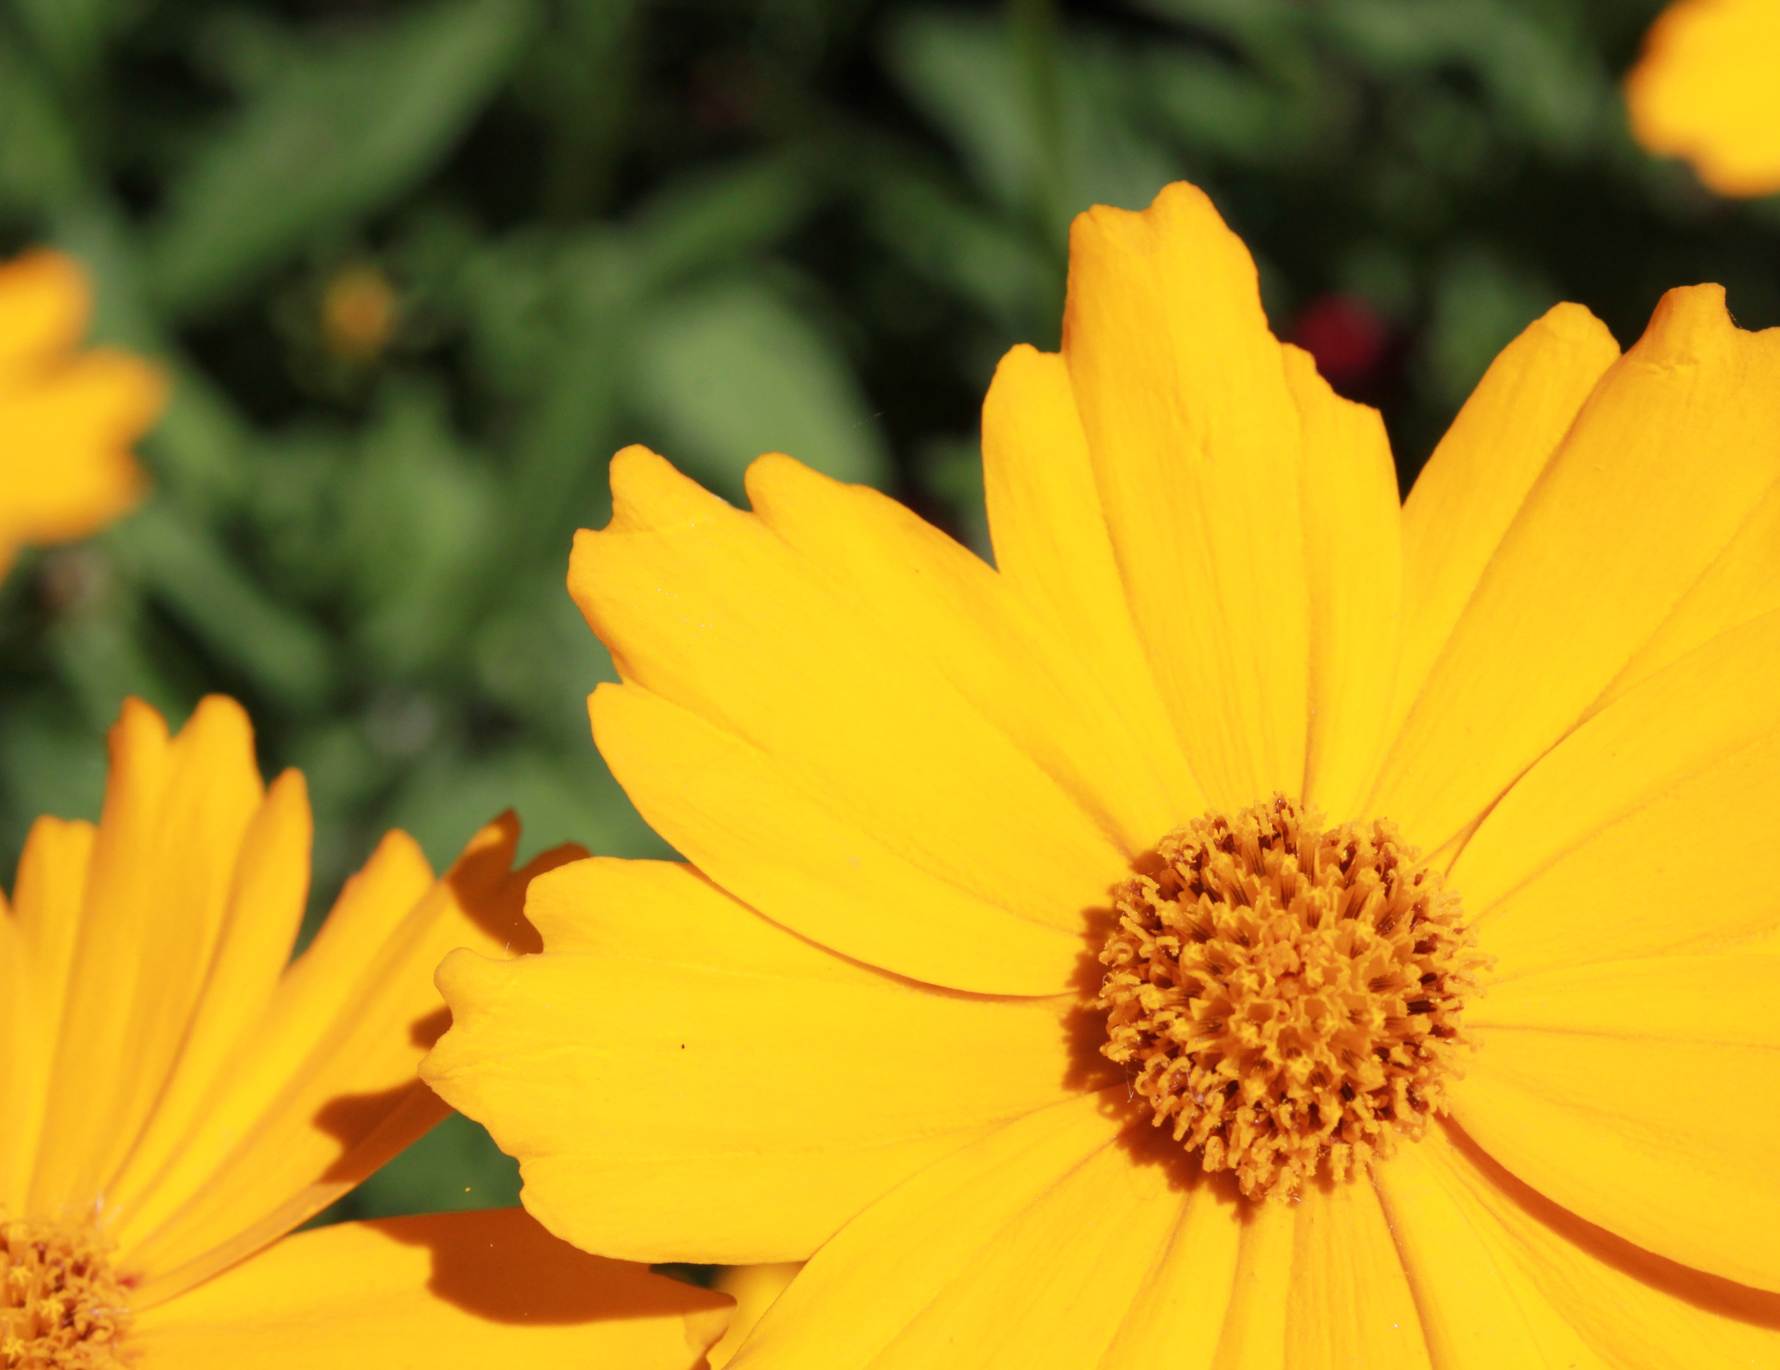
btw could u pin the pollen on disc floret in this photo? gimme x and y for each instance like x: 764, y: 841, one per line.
x: 61, y: 1307
x: 1287, y: 995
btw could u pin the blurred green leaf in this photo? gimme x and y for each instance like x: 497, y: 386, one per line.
x: 182, y: 561
x: 731, y: 370
x: 40, y: 163
x: 48, y: 762
x: 1537, y: 76
x: 341, y: 132
x: 969, y: 252
x: 709, y: 219
x: 1481, y: 303
x: 456, y: 1166
x: 415, y: 523
x: 538, y: 657
x: 69, y: 34
x: 960, y: 70
x: 569, y: 797
x: 1216, y: 106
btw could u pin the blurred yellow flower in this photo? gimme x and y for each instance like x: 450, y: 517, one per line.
x: 1708, y: 89
x: 177, y: 1094
x: 67, y: 418
x: 962, y: 995
x: 359, y: 309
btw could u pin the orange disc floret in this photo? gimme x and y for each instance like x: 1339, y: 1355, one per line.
x: 61, y: 1306
x: 1288, y: 995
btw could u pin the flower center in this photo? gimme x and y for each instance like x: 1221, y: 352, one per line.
x: 1288, y: 995
x: 61, y: 1308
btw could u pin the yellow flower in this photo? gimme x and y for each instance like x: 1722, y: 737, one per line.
x: 1016, y: 976
x: 67, y: 419
x: 175, y: 1097
x: 1708, y: 89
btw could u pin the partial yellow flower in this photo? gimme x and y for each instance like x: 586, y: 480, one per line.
x: 67, y: 418
x: 1708, y: 89
x: 177, y: 1094
x: 1084, y: 959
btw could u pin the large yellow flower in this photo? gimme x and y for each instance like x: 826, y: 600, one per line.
x: 174, y: 1097
x: 1708, y: 89
x: 1016, y: 975
x: 67, y: 419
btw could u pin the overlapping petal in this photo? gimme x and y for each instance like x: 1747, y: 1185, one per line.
x: 738, y: 644
x: 1643, y: 1096
x: 168, y: 1074
x: 452, y: 1289
x: 676, y: 1080
x: 1069, y: 1240
x: 1468, y: 494
x: 1196, y: 445
x: 1584, y: 575
x: 1503, y: 1276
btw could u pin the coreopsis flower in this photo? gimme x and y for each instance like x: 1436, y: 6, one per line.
x: 1708, y: 89
x: 67, y: 418
x: 1258, y: 922
x: 176, y: 1094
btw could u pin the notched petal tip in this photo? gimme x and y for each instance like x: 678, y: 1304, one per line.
x: 1574, y: 323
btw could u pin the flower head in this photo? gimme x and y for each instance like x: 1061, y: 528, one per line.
x: 177, y: 1094
x: 67, y: 418
x: 1258, y: 921
x: 1708, y: 89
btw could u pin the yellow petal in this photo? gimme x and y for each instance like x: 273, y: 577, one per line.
x: 1196, y: 449
x: 1349, y: 1301
x: 162, y: 868
x: 1015, y: 668
x: 707, y: 608
x: 334, y: 1095
x: 1354, y: 565
x: 1742, y: 584
x: 66, y: 421
x: 1053, y: 549
x: 1594, y: 854
x: 44, y: 305
x: 1021, y: 1250
x: 37, y: 936
x: 451, y: 1289
x: 1479, y: 476
x: 1254, y: 1334
x: 265, y: 909
x: 868, y: 892
x: 1671, y: 453
x: 1705, y: 90
x: 1504, y: 1277
x: 713, y: 1088
x: 1197, y: 1307
x: 1643, y: 1096
x: 1065, y: 1241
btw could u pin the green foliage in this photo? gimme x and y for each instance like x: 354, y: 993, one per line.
x: 719, y: 227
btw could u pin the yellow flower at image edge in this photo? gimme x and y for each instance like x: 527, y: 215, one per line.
x: 1256, y: 923
x: 1708, y: 89
x: 177, y: 1094
x: 67, y: 419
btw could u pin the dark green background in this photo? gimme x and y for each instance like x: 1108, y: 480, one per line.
x: 720, y: 228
